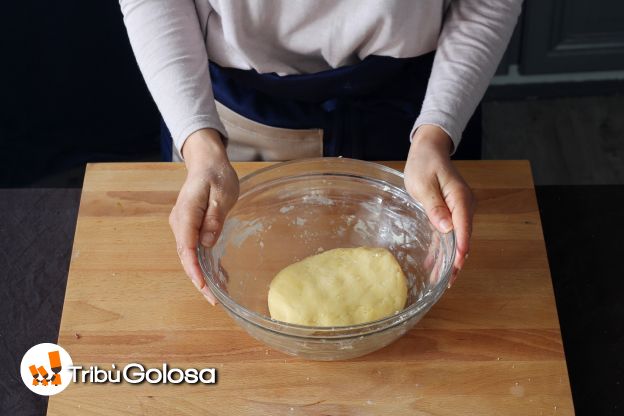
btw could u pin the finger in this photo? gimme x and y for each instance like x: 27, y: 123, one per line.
x: 435, y: 207
x: 188, y: 257
x: 212, y: 222
x: 453, y: 278
x: 462, y: 213
x: 185, y: 222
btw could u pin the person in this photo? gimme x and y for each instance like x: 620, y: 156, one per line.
x: 284, y: 79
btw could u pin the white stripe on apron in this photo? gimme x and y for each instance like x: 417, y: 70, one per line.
x: 252, y: 141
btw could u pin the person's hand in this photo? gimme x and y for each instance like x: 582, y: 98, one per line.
x: 431, y: 179
x: 209, y: 192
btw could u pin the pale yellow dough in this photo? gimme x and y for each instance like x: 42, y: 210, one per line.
x: 343, y: 286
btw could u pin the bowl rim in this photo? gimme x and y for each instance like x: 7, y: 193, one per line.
x: 339, y: 159
x: 379, y: 325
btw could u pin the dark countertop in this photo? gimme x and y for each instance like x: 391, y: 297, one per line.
x: 583, y: 228
x: 37, y: 228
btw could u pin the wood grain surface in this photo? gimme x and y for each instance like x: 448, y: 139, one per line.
x: 491, y: 346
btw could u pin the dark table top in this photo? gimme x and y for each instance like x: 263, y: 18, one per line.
x: 583, y: 227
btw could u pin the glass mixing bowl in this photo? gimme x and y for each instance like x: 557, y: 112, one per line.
x: 292, y: 210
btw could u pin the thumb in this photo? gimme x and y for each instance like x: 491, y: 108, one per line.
x: 431, y: 198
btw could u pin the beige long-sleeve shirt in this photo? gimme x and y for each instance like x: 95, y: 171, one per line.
x: 174, y: 39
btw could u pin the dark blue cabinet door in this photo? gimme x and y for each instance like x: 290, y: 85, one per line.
x: 561, y: 36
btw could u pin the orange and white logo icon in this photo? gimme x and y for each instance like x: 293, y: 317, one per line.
x: 45, y: 369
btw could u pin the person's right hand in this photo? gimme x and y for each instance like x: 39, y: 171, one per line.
x: 209, y: 192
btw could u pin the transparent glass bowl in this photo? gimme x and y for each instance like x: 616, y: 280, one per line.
x: 292, y: 210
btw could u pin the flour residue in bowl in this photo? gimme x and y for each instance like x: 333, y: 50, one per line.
x: 299, y: 221
x: 317, y: 197
x: 245, y: 230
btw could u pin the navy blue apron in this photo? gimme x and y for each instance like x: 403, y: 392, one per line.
x: 366, y: 110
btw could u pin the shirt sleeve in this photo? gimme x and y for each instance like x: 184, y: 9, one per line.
x: 168, y: 43
x: 473, y: 39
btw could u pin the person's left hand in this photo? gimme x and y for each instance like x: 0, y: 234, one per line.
x: 431, y: 179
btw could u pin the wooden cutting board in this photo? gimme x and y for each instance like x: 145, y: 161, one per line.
x: 491, y: 346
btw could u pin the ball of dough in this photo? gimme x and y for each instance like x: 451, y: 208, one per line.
x: 343, y: 286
